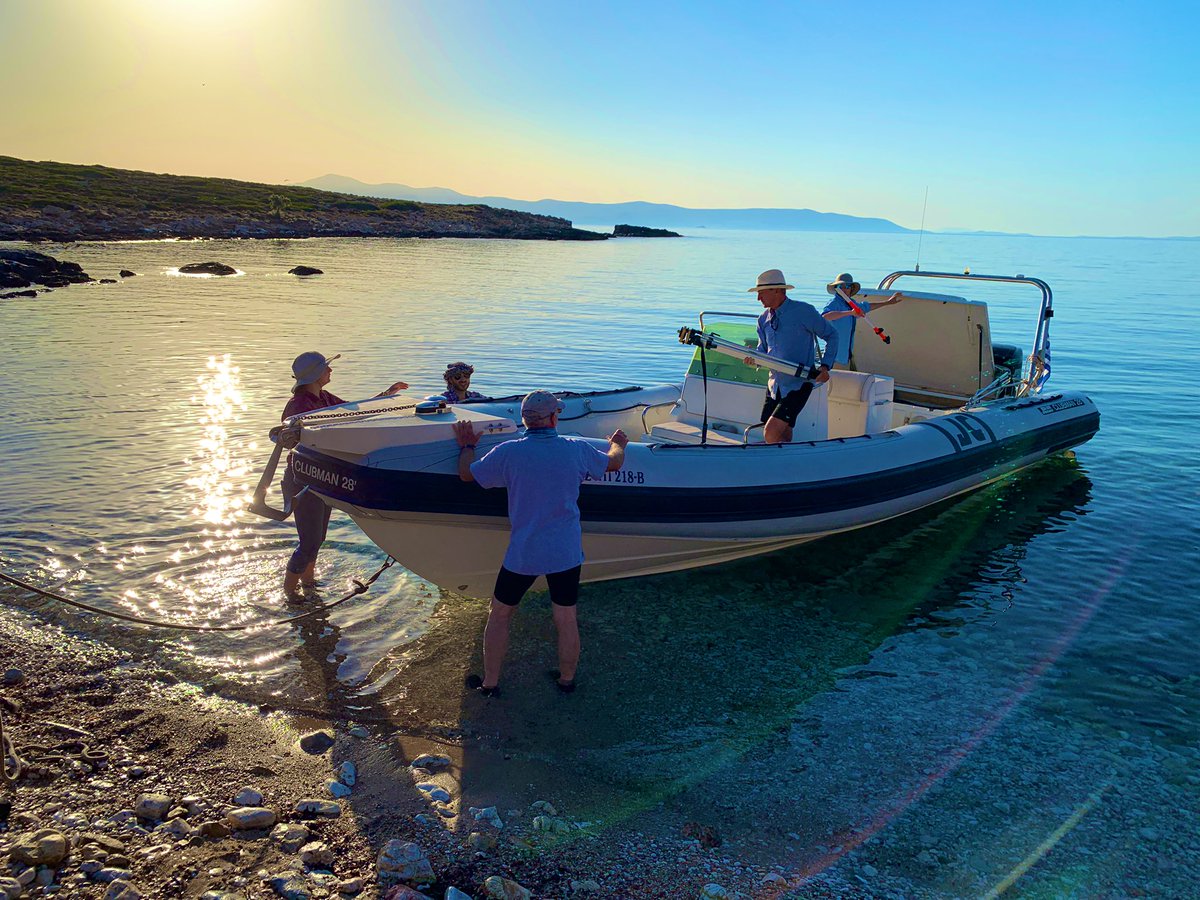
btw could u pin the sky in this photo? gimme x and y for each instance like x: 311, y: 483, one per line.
x: 1050, y: 118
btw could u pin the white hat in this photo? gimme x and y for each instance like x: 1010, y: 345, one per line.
x: 769, y: 281
x: 308, y: 367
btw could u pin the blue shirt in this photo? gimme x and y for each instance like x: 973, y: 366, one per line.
x: 542, y: 472
x: 788, y: 332
x: 845, y: 326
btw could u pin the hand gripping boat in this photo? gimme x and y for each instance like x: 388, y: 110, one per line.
x: 937, y: 412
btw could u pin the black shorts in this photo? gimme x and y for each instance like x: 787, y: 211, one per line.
x: 789, y: 407
x: 511, y: 587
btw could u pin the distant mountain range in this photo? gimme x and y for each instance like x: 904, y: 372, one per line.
x: 654, y: 215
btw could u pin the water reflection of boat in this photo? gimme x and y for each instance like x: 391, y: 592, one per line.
x: 936, y: 413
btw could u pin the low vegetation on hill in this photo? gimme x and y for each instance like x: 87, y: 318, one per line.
x: 63, y: 202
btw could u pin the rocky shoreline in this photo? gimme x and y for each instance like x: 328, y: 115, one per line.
x: 136, y: 785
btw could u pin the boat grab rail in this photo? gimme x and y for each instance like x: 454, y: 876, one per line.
x: 714, y: 312
x: 1038, y: 357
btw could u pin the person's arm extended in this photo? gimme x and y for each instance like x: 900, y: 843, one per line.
x: 616, y: 450
x: 836, y: 314
x: 890, y: 301
x: 395, y: 388
x: 464, y: 433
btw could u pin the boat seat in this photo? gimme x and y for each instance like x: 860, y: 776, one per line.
x: 685, y: 433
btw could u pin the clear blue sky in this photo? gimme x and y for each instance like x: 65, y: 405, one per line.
x: 1065, y: 118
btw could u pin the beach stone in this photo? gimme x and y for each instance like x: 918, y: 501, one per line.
x: 122, y: 890
x: 26, y: 877
x: 453, y: 893
x: 249, y: 817
x: 213, y: 829
x: 336, y: 789
x: 152, y: 807
x: 586, y: 886
x: 313, y: 807
x: 543, y: 807
x: 91, y: 866
x: 305, y: 270
x: 504, y: 889
x: 10, y: 888
x: 551, y: 825
x: 103, y: 841
x: 290, y: 887
x: 351, y: 886
x: 481, y: 842
x: 359, y: 731
x: 14, y: 677
x: 316, y: 742
x: 177, y: 827
x: 316, y: 854
x: 347, y: 773
x: 112, y: 873
x: 290, y: 837
x: 403, y: 861
x: 207, y: 268
x: 125, y: 273
x: 430, y: 761
x: 869, y: 871
x: 437, y: 794
x: 404, y: 892
x: 248, y: 796
x: 487, y: 814
x: 714, y: 892
x: 44, y: 847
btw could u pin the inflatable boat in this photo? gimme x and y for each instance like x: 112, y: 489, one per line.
x: 938, y: 411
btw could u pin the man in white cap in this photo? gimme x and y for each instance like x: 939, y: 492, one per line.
x: 542, y: 472
x: 786, y: 329
x: 844, y: 317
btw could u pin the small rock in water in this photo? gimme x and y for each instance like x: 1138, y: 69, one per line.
x: 403, y: 861
x: 207, y: 268
x: 249, y: 817
x: 316, y: 742
x: 313, y: 807
x: 499, y: 888
x: 305, y: 270
x: 430, y: 761
x: 248, y: 796
x: 347, y: 773
x: 336, y: 789
x: 108, y: 281
x: 13, y: 677
x: 125, y: 273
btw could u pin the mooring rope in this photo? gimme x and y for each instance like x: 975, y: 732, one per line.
x: 360, y: 587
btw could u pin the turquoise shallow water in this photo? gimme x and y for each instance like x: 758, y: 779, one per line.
x: 931, y: 699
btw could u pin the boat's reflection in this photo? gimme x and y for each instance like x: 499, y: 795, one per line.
x: 684, y: 673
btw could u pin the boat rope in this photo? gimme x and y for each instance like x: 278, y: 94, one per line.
x: 359, y: 587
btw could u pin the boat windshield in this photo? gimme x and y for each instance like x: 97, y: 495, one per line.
x: 726, y: 368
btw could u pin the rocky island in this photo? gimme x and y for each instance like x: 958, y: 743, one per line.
x: 63, y: 202
x: 640, y: 231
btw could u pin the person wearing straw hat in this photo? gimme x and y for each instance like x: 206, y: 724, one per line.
x: 542, y: 472
x: 312, y: 373
x: 839, y: 312
x: 458, y: 383
x: 787, y: 329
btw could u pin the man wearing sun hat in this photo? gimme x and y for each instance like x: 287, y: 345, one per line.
x: 843, y: 316
x: 311, y: 372
x: 786, y: 329
x: 542, y: 472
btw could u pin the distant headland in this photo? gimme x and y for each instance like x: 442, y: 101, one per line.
x: 63, y: 202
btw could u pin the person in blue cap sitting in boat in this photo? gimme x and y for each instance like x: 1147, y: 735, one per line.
x: 458, y: 383
x: 844, y: 317
x: 312, y: 373
x: 786, y: 329
x: 542, y: 472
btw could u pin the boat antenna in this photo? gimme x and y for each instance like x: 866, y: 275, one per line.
x: 921, y: 237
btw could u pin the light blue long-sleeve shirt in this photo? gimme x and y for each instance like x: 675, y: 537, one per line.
x: 787, y: 332
x: 845, y: 326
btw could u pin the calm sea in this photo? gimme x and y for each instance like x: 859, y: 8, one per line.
x: 998, y: 691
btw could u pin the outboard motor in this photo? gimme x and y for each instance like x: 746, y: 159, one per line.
x: 1007, y: 358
